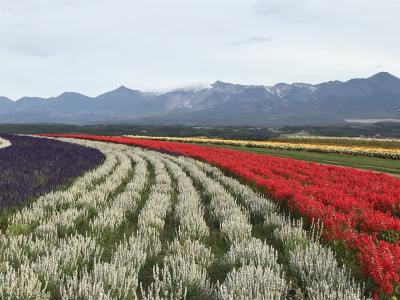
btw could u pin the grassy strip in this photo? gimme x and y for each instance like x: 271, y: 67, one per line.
x: 356, y: 161
x: 171, y: 224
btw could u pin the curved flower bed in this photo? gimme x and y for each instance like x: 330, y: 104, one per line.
x: 389, y: 153
x: 32, y: 166
x: 359, y: 208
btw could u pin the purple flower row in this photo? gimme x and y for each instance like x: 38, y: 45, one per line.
x: 33, y: 166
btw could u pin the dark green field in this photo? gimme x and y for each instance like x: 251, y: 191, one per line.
x: 355, y: 161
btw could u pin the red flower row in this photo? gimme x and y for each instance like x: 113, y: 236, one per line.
x: 357, y: 207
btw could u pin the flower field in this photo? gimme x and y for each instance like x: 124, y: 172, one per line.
x: 390, y: 142
x: 390, y: 153
x: 359, y: 210
x: 151, y: 225
x: 33, y: 166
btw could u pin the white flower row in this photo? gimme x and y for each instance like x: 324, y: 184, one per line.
x: 191, y: 250
x: 256, y: 273
x: 4, y: 143
x: 113, y: 215
x: 96, y: 199
x: 187, y: 259
x: 159, y: 203
x: 252, y: 282
x: 253, y: 252
x: 45, y: 204
x: 118, y: 279
x: 20, y: 236
x: 234, y: 220
x: 188, y: 211
x: 314, y: 264
x: 256, y: 202
x: 308, y: 257
x: 146, y: 244
x: 55, y: 259
x: 50, y: 268
x: 184, y: 268
x: 177, y: 275
x: 23, y: 283
x: 322, y: 275
x: 66, y: 258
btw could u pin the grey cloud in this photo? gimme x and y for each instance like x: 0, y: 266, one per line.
x: 278, y: 6
x: 294, y: 11
x: 251, y: 40
x: 28, y: 49
x: 92, y: 46
x: 19, y: 41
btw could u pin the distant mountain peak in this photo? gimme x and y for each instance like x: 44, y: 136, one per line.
x: 122, y: 88
x: 121, y: 92
x: 70, y: 94
x: 221, y: 103
x: 383, y: 76
x: 228, y: 87
x: 219, y: 83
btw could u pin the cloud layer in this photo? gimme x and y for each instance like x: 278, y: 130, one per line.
x: 47, y: 46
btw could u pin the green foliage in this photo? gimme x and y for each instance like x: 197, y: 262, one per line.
x: 391, y: 236
x: 195, y: 292
x: 18, y: 229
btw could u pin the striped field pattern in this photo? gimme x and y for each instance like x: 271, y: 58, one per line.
x: 359, y: 210
x: 150, y: 225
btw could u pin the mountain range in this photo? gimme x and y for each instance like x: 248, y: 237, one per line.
x: 221, y: 103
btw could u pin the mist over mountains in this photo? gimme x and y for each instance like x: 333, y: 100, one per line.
x: 376, y: 97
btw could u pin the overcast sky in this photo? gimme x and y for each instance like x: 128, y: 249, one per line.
x: 92, y: 46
